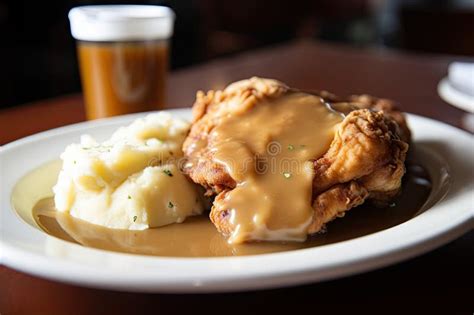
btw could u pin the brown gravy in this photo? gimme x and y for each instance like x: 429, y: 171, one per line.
x: 272, y: 165
x: 197, y: 237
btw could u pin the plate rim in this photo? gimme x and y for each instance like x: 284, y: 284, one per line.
x: 240, y: 280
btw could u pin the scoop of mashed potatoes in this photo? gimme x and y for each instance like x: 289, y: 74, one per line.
x: 131, y: 181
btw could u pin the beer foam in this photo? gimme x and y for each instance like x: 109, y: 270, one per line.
x: 121, y: 22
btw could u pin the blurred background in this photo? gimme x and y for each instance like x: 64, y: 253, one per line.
x: 38, y: 57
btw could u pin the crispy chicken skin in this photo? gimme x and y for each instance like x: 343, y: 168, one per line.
x: 365, y: 101
x: 364, y: 161
x: 368, y: 154
x: 334, y: 202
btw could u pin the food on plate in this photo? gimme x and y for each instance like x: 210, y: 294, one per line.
x: 278, y: 163
x: 130, y: 181
x: 197, y: 236
x: 282, y: 163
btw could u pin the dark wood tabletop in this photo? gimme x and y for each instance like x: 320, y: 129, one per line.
x: 439, y: 282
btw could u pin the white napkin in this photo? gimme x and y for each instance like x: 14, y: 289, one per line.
x: 461, y: 77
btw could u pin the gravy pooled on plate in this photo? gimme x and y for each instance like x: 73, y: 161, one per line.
x: 197, y: 236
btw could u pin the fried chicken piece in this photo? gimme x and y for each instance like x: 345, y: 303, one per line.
x: 366, y: 149
x: 365, y: 143
x: 365, y: 159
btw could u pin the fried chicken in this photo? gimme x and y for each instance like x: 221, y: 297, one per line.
x: 366, y: 154
x: 364, y: 161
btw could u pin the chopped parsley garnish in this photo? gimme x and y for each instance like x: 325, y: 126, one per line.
x: 75, y: 162
x: 302, y: 146
x: 168, y: 172
x: 134, y: 218
x: 287, y: 174
x: 291, y: 147
x: 129, y: 197
x: 393, y: 204
x: 170, y: 205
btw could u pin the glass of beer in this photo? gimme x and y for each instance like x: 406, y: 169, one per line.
x: 123, y: 57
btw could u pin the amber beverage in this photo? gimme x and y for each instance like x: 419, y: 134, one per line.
x: 123, y: 57
x: 120, y: 77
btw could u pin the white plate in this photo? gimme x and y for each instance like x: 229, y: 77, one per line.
x: 455, y: 97
x: 28, y: 249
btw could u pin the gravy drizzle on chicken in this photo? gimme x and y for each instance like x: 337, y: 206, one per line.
x: 282, y: 163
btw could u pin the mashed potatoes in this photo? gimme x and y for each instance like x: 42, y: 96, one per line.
x: 130, y: 181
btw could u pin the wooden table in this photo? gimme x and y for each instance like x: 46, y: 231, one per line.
x: 437, y: 282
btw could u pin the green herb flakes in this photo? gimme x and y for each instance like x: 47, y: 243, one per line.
x: 168, y: 172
